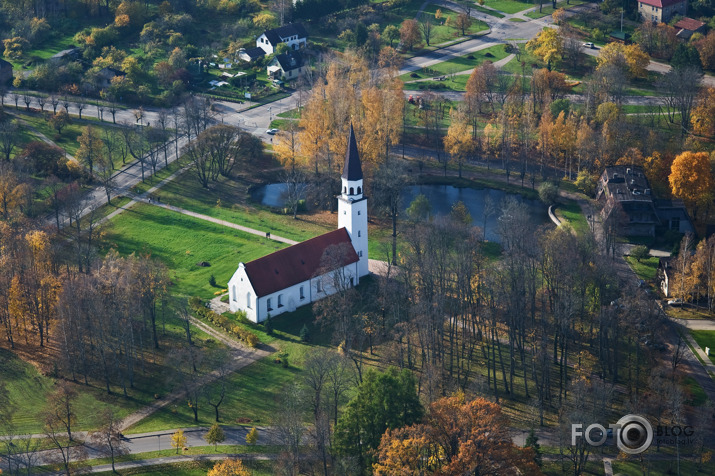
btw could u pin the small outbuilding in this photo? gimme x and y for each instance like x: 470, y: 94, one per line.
x: 251, y: 54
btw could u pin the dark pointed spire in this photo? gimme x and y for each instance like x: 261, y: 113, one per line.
x: 353, y: 168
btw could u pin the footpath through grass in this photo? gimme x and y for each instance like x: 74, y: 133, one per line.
x: 459, y: 63
x: 181, y: 242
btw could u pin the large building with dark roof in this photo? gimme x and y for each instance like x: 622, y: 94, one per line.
x: 625, y: 190
x: 306, y: 272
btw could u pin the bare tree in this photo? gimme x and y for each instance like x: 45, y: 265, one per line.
x: 296, y: 188
x: 679, y: 88
x: 109, y: 439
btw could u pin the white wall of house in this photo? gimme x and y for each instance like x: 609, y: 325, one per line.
x: 242, y: 295
x: 294, y: 43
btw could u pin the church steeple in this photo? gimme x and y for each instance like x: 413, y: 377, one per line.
x: 352, y: 204
x: 353, y: 169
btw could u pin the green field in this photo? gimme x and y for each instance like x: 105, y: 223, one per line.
x: 181, y: 242
x: 193, y: 468
x: 28, y: 390
x: 444, y: 30
x: 508, y: 6
x: 571, y: 213
x: 459, y: 63
x: 645, y: 269
x: 705, y: 339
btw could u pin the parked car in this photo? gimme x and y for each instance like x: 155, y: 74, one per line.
x: 272, y: 131
x: 590, y: 45
x: 675, y: 302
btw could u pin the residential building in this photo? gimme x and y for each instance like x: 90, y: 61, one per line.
x: 623, y: 189
x: 294, y: 35
x: 287, y: 66
x: 661, y: 11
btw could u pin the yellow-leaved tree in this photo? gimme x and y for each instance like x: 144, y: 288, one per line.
x: 631, y: 58
x: 229, y: 467
x: 178, y: 440
x: 703, y: 117
x: 459, y: 142
x: 548, y: 45
x: 691, y: 179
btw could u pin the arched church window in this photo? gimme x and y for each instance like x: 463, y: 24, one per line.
x: 358, y: 233
x: 280, y: 300
x: 248, y: 300
x: 345, y: 190
x: 359, y: 190
x: 352, y: 191
x: 233, y: 293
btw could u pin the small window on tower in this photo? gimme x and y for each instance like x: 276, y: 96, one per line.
x: 360, y: 254
x: 358, y: 233
x: 359, y: 190
x: 358, y: 212
x: 345, y: 212
x: 352, y: 191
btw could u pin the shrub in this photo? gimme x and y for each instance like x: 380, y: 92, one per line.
x: 202, y: 312
x: 585, y: 183
x: 304, y: 334
x: 548, y: 193
x: 640, y: 252
x: 268, y: 326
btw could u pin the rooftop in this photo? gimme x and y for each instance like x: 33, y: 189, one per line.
x: 661, y: 3
x: 297, y: 263
x: 626, y: 183
x: 689, y: 24
x: 276, y: 35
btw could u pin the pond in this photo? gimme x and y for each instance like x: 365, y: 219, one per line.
x: 271, y: 195
x: 441, y: 198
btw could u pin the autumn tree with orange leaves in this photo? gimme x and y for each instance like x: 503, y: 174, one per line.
x: 229, y: 467
x: 691, y: 179
x: 458, y: 436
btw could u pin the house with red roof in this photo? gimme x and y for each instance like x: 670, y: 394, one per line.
x: 661, y: 11
x: 306, y: 272
x: 687, y: 26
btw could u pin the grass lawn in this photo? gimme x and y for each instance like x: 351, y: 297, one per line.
x: 181, y: 242
x: 193, y: 468
x: 488, y: 11
x: 547, y: 9
x: 571, y: 212
x: 688, y: 312
x: 645, y: 269
x: 660, y: 467
x: 28, y: 390
x: 508, y: 6
x: 705, y: 339
x: 443, y: 29
x: 697, y: 395
x: 459, y: 63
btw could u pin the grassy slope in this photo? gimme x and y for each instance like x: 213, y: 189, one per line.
x: 646, y: 269
x: 193, y: 468
x: 181, y: 242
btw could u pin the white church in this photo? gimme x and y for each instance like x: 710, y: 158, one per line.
x: 295, y: 276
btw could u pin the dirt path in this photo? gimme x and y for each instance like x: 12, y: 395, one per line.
x: 241, y: 356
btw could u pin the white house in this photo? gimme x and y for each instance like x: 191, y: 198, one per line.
x: 294, y: 35
x: 287, y: 66
x: 304, y: 273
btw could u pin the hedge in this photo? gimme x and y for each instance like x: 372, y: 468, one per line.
x: 202, y: 312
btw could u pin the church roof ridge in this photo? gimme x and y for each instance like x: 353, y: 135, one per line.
x: 353, y: 168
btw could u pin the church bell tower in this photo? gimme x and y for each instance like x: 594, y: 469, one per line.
x: 352, y: 204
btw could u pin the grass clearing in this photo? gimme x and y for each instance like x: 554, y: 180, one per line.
x: 697, y: 396
x: 570, y: 211
x: 705, y: 339
x: 508, y: 6
x: 28, y: 390
x: 459, y: 63
x: 688, y: 312
x: 181, y: 242
x: 488, y: 11
x: 646, y: 269
x: 193, y: 468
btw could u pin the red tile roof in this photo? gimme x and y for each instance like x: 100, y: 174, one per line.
x: 661, y: 3
x: 297, y: 263
x: 689, y: 24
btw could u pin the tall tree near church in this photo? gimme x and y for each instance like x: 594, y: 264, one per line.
x: 287, y: 146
